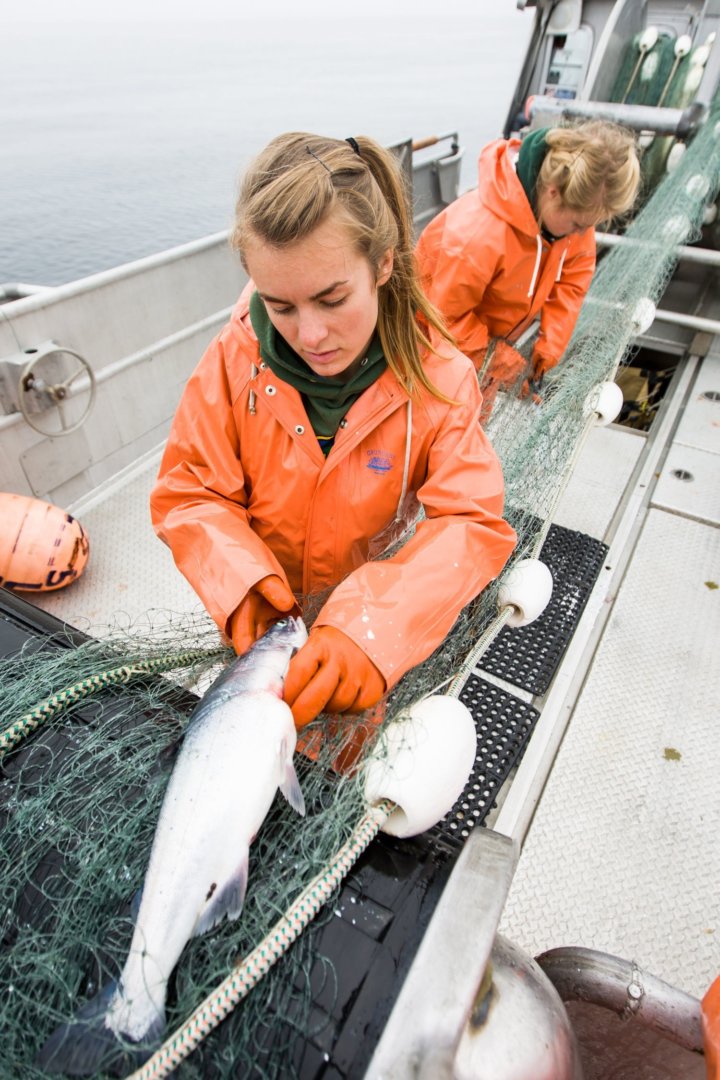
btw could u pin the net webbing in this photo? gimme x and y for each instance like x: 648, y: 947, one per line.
x: 79, y: 799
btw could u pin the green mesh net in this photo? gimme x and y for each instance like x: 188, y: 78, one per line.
x: 80, y: 793
x: 644, y: 75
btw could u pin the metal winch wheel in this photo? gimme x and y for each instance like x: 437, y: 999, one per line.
x: 56, y: 380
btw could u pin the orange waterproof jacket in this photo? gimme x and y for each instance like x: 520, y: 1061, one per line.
x: 244, y: 491
x: 486, y: 266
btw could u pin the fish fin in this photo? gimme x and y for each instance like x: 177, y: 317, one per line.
x: 86, y: 1046
x: 290, y: 785
x: 226, y: 900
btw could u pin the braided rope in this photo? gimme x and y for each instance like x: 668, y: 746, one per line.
x: 250, y: 971
x: 61, y: 700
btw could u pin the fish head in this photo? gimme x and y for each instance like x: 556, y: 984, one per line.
x: 285, y: 633
x: 283, y: 639
x: 275, y: 649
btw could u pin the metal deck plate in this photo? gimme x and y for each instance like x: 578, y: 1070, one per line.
x: 130, y: 576
x: 528, y: 656
x: 700, y: 423
x: 689, y: 483
x: 599, y: 480
x: 623, y: 849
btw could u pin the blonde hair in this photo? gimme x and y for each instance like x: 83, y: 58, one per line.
x: 298, y: 181
x: 595, y: 167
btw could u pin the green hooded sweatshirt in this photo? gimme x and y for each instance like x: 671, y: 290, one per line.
x: 532, y: 153
x: 326, y: 399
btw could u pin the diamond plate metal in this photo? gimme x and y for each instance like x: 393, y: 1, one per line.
x: 130, y: 572
x: 689, y: 484
x: 599, y: 480
x: 700, y: 422
x: 623, y: 853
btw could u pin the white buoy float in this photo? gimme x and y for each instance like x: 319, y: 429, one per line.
x: 605, y: 400
x: 422, y: 763
x: 527, y: 588
x: 643, y: 315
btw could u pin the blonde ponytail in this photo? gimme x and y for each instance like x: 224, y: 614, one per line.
x: 299, y: 180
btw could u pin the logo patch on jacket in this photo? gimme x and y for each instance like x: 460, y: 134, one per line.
x: 379, y: 461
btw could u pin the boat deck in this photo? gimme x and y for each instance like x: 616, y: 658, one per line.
x: 622, y: 853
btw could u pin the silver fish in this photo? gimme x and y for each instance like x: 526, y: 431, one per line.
x: 237, y: 751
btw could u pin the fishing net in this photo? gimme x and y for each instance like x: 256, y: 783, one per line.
x: 82, y: 783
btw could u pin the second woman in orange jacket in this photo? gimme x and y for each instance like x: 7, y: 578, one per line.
x: 521, y: 245
x: 318, y: 423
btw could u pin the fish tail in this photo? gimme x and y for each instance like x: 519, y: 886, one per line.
x: 88, y: 1045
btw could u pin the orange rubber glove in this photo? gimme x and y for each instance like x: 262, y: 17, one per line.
x: 266, y: 602
x: 330, y: 672
x: 532, y: 386
x: 506, y: 364
x: 541, y: 365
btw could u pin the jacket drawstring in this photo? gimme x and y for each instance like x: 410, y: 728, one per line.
x: 399, y: 511
x: 406, y: 466
x: 538, y: 257
x: 562, y: 260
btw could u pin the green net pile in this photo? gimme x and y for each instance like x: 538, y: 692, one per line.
x: 80, y: 798
x: 667, y: 74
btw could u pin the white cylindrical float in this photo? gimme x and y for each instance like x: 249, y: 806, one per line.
x: 422, y: 763
x: 643, y: 315
x: 527, y: 589
x: 605, y: 400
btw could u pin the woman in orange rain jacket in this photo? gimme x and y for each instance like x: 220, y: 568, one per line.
x: 522, y: 245
x: 316, y: 425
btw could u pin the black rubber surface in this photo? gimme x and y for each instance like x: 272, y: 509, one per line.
x: 528, y: 656
x: 503, y: 724
x: 362, y: 944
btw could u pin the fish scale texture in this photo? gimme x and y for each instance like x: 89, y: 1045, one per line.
x: 633, y: 868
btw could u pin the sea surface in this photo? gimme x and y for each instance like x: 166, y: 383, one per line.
x: 124, y: 129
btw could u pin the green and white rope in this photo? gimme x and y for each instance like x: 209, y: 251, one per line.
x: 93, y: 684
x: 250, y: 971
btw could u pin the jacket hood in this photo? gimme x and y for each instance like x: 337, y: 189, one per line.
x: 240, y: 318
x: 499, y: 188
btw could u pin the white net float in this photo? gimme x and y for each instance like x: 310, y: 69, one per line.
x: 527, y: 588
x: 643, y: 315
x: 677, y: 153
x: 422, y: 763
x: 648, y: 39
x: 698, y: 186
x: 605, y: 400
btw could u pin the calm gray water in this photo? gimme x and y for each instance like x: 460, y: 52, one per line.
x: 120, y: 137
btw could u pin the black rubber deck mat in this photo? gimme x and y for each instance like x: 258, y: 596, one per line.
x: 363, y: 943
x: 528, y: 656
x: 504, y: 724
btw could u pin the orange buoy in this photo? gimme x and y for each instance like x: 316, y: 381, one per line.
x: 41, y: 546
